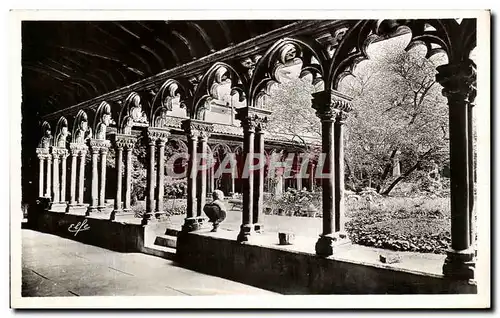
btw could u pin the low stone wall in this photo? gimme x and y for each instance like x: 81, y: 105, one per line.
x: 291, y: 272
x: 99, y: 232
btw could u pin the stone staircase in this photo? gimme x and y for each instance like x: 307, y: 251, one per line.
x: 163, y: 245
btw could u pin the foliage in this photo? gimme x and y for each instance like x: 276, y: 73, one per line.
x: 403, y: 224
x: 294, y: 203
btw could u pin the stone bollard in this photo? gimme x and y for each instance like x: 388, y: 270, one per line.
x: 286, y: 238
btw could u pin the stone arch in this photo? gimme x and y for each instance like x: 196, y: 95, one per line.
x: 62, y: 132
x: 171, y: 98
x: 102, y: 120
x: 221, y: 81
x: 448, y: 36
x: 46, y: 133
x: 132, y: 114
x: 81, y: 128
x: 286, y: 59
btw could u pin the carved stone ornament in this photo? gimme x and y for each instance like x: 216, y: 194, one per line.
x: 124, y: 141
x: 194, y: 127
x: 458, y: 80
x: 97, y: 144
x: 59, y: 152
x: 328, y: 104
x: 159, y: 136
x: 42, y: 152
x: 251, y: 119
x: 61, y: 137
x: 77, y: 148
x: 249, y: 63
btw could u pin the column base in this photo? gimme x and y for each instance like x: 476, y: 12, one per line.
x: 101, y: 208
x: 258, y: 228
x: 148, y: 218
x: 192, y: 224
x: 245, y: 233
x: 76, y: 209
x: 91, y: 209
x: 459, y: 265
x: 58, y: 206
x: 113, y: 214
x: 326, y: 243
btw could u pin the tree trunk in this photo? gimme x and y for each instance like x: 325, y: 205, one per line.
x: 387, y: 169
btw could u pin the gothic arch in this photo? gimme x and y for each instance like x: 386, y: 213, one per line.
x: 46, y: 139
x: 170, y: 98
x: 62, y: 132
x: 218, y: 78
x: 81, y: 128
x: 132, y: 114
x: 102, y: 121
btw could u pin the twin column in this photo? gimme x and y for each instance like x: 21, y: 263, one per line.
x: 155, y: 139
x: 332, y: 107
x: 253, y: 124
x: 52, y: 166
x: 98, y: 190
x: 197, y: 133
x: 122, y: 143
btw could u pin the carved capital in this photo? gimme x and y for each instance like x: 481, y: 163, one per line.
x: 458, y: 81
x: 77, y: 148
x: 57, y: 152
x: 328, y: 104
x: 197, y: 128
x: 158, y: 135
x: 97, y: 144
x: 42, y: 153
x: 124, y: 141
x: 341, y: 117
x: 252, y: 119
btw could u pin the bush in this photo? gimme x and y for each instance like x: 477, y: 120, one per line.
x: 403, y: 224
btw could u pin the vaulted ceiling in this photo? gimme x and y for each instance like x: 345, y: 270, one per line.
x: 65, y: 63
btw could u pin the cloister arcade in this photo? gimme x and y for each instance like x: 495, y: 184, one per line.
x: 177, y: 104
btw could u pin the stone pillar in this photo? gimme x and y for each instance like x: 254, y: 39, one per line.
x: 81, y: 175
x: 202, y: 188
x: 64, y: 156
x: 459, y: 81
x: 72, y: 182
x: 41, y: 153
x: 298, y: 177
x: 119, y: 167
x: 311, y: 176
x: 95, y: 176
x: 55, y: 175
x: 150, y: 197
x: 193, y: 129
x: 102, y: 187
x: 328, y: 104
x: 258, y: 205
x: 48, y: 186
x: 128, y: 176
x: 233, y: 176
x: 160, y: 175
x: 339, y: 174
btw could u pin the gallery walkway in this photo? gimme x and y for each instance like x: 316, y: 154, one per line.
x: 55, y: 266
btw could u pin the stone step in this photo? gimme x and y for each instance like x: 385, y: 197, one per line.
x: 166, y: 240
x: 161, y: 251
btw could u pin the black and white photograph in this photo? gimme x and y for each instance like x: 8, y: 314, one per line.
x: 250, y: 159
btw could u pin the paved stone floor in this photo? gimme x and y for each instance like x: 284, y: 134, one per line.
x: 55, y: 266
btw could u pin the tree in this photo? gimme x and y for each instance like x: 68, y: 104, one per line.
x: 398, y: 109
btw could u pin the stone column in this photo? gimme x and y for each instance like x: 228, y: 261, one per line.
x: 102, y: 187
x: 328, y: 104
x: 202, y: 189
x: 258, y: 205
x: 64, y: 156
x: 459, y: 82
x: 193, y: 129
x: 128, y: 177
x: 160, y: 175
x: 311, y: 176
x: 55, y: 176
x: 150, y: 197
x: 48, y: 187
x: 339, y: 174
x: 81, y: 175
x: 298, y: 177
x: 233, y: 175
x: 119, y: 167
x: 41, y: 162
x: 95, y: 176
x: 72, y: 182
